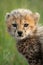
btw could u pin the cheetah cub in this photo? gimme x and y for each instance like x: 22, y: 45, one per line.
x: 23, y: 25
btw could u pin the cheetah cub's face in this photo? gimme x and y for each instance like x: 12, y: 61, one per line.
x: 21, y: 24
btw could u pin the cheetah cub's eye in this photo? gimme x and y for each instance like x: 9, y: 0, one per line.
x: 14, y: 25
x: 26, y: 25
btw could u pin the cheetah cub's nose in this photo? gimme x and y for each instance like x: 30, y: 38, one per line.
x: 20, y: 33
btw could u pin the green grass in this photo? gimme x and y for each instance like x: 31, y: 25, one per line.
x: 8, y: 51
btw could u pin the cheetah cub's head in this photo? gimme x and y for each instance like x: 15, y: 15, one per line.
x: 21, y: 23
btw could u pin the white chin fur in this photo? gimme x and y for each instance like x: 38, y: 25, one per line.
x: 20, y: 38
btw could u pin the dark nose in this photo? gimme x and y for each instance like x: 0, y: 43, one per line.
x: 19, y: 33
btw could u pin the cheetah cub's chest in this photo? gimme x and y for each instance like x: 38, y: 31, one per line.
x: 30, y: 48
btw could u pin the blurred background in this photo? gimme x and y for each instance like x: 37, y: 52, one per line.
x: 8, y: 51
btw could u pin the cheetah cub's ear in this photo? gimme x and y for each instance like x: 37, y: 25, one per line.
x: 36, y: 17
x: 7, y: 16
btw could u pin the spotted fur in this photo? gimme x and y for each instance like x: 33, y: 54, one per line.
x: 31, y: 49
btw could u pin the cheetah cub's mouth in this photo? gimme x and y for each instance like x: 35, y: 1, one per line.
x: 21, y: 23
